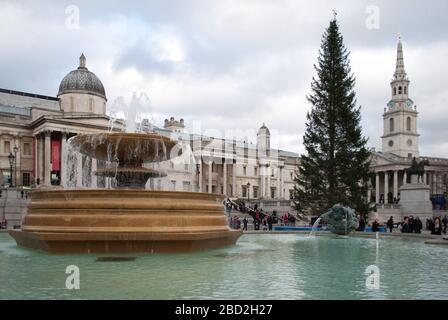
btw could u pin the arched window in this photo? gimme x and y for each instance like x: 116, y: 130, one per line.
x: 405, y: 90
x: 399, y: 90
x: 391, y: 124
x: 395, y: 91
x: 408, y: 123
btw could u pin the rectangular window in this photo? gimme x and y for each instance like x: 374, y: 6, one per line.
x: 255, y: 171
x: 273, y: 192
x: 186, y: 168
x: 173, y: 185
x: 255, y: 191
x: 26, y: 179
x: 244, y: 193
x: 291, y: 194
x: 244, y: 170
x: 26, y: 149
x: 7, y: 147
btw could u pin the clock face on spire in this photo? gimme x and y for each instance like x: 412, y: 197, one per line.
x: 391, y: 104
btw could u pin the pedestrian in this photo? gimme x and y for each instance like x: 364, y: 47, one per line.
x: 390, y: 224
x: 245, y: 224
x: 418, y: 225
x: 269, y: 223
x: 405, y: 228
x: 375, y: 226
x: 411, y: 224
x: 361, y: 224
x: 437, y: 229
x: 444, y: 224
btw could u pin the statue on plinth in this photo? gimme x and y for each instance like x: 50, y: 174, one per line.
x: 417, y: 168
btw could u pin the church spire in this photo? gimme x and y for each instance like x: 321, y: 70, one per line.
x: 400, y: 73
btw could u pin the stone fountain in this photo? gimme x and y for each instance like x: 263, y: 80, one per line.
x: 340, y: 220
x: 127, y: 218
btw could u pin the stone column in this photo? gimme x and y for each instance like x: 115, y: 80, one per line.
x: 47, y: 163
x: 282, y: 184
x: 224, y: 178
x: 63, y: 162
x: 234, y: 180
x: 377, y: 187
x: 17, y: 164
x: 94, y: 183
x: 36, y: 157
x: 278, y: 183
x: 405, y: 177
x: 386, y: 186
x: 395, y: 195
x: 210, y: 176
x: 268, y: 191
x: 42, y: 160
x: 425, y: 178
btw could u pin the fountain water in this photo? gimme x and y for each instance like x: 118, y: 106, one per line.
x: 127, y: 218
x: 314, y: 228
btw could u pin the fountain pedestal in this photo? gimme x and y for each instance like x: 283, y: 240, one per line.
x: 127, y: 219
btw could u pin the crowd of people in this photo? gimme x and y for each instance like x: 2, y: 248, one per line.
x: 261, y: 219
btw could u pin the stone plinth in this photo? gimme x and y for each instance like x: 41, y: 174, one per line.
x: 414, y: 199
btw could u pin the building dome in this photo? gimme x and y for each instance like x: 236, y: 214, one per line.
x: 82, y: 80
x: 263, y: 130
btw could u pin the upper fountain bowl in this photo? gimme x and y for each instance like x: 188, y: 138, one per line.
x: 125, y: 148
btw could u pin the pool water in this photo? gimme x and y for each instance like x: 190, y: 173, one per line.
x: 260, y: 266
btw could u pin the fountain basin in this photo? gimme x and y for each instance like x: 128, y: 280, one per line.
x: 103, y: 221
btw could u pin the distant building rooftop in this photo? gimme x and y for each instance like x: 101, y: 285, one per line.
x: 27, y: 94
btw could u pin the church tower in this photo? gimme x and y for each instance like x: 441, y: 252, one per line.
x: 400, y: 135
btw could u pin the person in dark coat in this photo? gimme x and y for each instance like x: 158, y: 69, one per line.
x: 362, y: 224
x: 411, y: 224
x: 375, y: 226
x: 444, y: 224
x: 269, y: 220
x: 245, y: 224
x: 418, y: 225
x: 390, y: 223
x: 405, y: 227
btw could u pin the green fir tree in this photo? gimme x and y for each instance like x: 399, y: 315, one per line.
x: 335, y: 168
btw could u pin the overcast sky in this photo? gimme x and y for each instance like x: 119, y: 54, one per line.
x: 225, y: 65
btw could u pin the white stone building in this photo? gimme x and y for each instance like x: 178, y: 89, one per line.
x: 37, y: 127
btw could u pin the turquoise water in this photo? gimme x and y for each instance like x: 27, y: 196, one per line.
x: 260, y: 266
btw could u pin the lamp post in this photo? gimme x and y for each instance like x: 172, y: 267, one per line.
x: 248, y: 191
x: 16, y: 149
x: 11, y: 159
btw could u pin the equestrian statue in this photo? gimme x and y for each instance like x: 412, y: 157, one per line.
x: 417, y: 169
